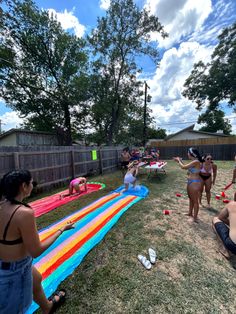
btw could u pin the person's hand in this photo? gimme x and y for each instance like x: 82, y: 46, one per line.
x: 177, y: 159
x: 69, y: 225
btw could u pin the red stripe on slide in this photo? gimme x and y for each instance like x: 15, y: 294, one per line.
x: 80, y: 243
x: 80, y: 217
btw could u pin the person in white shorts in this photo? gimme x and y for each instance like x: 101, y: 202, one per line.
x: 130, y: 177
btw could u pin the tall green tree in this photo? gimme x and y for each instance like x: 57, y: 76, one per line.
x: 119, y: 38
x: 214, y: 121
x: 42, y: 68
x: 211, y: 83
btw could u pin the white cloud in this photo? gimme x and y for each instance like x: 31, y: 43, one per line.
x: 104, y: 4
x: 180, y: 18
x: 69, y: 21
x: 166, y: 86
x: 10, y: 120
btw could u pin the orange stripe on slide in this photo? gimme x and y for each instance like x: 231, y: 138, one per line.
x: 76, y: 217
x: 74, y: 239
x: 75, y: 245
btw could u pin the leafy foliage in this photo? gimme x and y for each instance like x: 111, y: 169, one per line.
x: 213, y: 82
x: 214, y: 120
x: 42, y: 68
x: 120, y: 36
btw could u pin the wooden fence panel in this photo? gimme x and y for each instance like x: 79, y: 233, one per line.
x: 6, y: 162
x: 52, y: 167
x: 219, y: 152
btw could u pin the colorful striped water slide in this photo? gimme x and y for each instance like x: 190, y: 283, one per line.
x: 48, y: 203
x: 91, y: 225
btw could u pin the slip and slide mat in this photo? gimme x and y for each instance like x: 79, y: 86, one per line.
x: 48, y: 203
x: 91, y: 225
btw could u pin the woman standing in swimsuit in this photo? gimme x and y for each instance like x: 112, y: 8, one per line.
x: 208, y: 174
x: 194, y: 181
x: 20, y: 282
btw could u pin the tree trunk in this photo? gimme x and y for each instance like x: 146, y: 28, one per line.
x: 68, y: 138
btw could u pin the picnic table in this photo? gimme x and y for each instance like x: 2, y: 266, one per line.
x: 158, y: 166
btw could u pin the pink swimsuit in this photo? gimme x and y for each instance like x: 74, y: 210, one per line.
x: 75, y: 181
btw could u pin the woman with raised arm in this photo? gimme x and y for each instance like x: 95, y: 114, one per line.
x: 208, y: 174
x: 20, y: 282
x: 193, y: 182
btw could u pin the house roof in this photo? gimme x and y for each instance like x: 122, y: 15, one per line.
x: 191, y: 130
x: 12, y: 131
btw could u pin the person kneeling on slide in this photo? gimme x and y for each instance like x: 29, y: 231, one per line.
x: 224, y: 226
x: 130, y: 177
x: 75, y: 185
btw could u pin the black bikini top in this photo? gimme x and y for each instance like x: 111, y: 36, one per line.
x: 10, y: 242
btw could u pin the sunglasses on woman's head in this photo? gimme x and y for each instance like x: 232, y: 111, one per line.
x: 209, y: 158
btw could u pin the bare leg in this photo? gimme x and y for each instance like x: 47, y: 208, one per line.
x: 77, y: 189
x: 38, y: 293
x: 200, y: 193
x: 190, y: 210
x: 126, y: 188
x: 70, y: 189
x: 208, y: 191
x: 85, y: 187
x: 223, y: 250
x: 194, y: 189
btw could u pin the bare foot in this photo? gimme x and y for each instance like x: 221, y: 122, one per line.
x: 192, y: 219
x: 188, y: 214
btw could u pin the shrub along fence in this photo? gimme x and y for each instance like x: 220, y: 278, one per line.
x: 54, y: 167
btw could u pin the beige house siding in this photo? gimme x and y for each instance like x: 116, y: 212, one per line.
x: 190, y: 136
x: 30, y: 139
x: 9, y: 140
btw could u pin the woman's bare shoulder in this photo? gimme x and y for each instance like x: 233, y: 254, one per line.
x: 25, y: 210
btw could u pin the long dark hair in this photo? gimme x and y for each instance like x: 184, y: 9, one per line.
x: 195, y: 153
x: 10, y: 185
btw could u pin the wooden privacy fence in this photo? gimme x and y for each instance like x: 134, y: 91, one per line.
x: 58, y: 166
x: 220, y: 148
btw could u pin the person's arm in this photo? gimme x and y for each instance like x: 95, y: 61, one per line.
x: 214, y: 168
x: 187, y: 166
x: 30, y: 236
x: 224, y: 215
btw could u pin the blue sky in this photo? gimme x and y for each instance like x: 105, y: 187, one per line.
x: 193, y: 27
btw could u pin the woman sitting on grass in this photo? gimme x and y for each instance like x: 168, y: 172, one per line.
x: 20, y: 282
x: 194, y: 181
x: 208, y: 174
x: 224, y: 226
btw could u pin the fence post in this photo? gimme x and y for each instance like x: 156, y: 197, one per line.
x: 118, y: 157
x: 73, y: 163
x: 100, y: 160
x: 16, y: 160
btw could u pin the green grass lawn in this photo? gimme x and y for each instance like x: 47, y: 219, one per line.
x: 190, y: 276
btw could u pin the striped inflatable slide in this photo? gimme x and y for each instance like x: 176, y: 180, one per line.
x: 91, y: 225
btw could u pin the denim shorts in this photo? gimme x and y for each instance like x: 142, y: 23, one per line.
x: 223, y: 232
x: 16, y: 286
